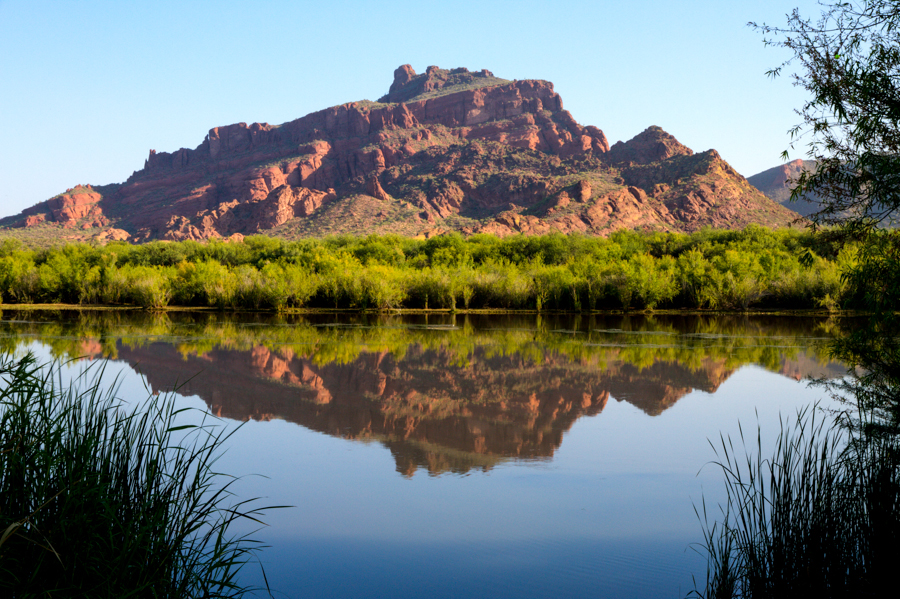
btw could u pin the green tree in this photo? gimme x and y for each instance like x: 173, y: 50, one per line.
x: 849, y: 63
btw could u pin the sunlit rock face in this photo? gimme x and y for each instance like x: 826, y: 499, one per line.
x: 443, y: 150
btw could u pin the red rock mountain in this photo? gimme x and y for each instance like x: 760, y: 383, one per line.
x: 442, y: 151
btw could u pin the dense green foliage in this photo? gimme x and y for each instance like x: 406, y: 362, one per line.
x: 99, y: 500
x: 874, y: 349
x: 723, y: 270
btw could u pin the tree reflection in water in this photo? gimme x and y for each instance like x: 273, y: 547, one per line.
x: 446, y: 393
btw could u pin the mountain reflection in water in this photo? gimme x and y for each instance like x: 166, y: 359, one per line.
x: 445, y: 393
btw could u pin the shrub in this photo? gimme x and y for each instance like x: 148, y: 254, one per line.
x: 383, y: 287
x: 146, y: 286
x: 708, y: 269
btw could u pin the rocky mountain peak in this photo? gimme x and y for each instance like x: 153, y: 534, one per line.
x: 778, y: 182
x: 434, y: 82
x: 402, y: 75
x: 444, y: 150
x: 651, y: 145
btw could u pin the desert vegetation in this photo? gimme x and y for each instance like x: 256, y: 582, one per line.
x: 709, y: 270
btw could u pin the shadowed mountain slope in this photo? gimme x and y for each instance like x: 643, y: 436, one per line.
x: 775, y: 183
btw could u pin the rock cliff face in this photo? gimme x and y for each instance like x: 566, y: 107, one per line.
x: 444, y: 150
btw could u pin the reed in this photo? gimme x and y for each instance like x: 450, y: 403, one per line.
x: 101, y: 500
x: 816, y: 518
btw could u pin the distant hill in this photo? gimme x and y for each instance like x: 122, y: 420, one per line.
x: 447, y: 150
x: 775, y: 184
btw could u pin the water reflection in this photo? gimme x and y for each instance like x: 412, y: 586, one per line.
x: 443, y: 393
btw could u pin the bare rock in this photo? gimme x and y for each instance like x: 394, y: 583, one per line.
x: 113, y: 235
x: 403, y: 75
x: 34, y: 220
x: 448, y: 143
x: 374, y: 189
x: 652, y: 145
x: 583, y: 191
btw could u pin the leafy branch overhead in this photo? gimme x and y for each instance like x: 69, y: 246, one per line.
x: 849, y: 62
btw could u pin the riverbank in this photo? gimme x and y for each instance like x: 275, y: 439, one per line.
x: 813, y: 312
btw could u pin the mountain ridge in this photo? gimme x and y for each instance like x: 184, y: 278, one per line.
x: 447, y: 150
x: 775, y: 183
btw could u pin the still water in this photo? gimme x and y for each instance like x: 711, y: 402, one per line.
x: 464, y: 456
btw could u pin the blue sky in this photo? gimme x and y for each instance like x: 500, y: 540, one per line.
x: 87, y: 88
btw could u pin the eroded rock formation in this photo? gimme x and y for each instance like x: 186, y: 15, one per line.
x: 488, y: 154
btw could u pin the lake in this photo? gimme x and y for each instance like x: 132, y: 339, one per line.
x: 464, y: 455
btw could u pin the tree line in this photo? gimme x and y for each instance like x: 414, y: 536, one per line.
x: 709, y: 269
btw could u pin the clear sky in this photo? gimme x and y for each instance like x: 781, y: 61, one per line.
x: 87, y: 88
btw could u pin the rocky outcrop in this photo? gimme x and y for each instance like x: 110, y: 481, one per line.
x: 408, y: 87
x: 443, y: 150
x: 702, y: 190
x: 113, y: 235
x: 652, y: 145
x: 79, y: 203
x: 374, y: 189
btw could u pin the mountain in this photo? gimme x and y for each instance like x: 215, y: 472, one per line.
x: 775, y: 184
x: 445, y: 150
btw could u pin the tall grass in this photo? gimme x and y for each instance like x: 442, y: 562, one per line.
x: 101, y: 500
x: 819, y: 517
